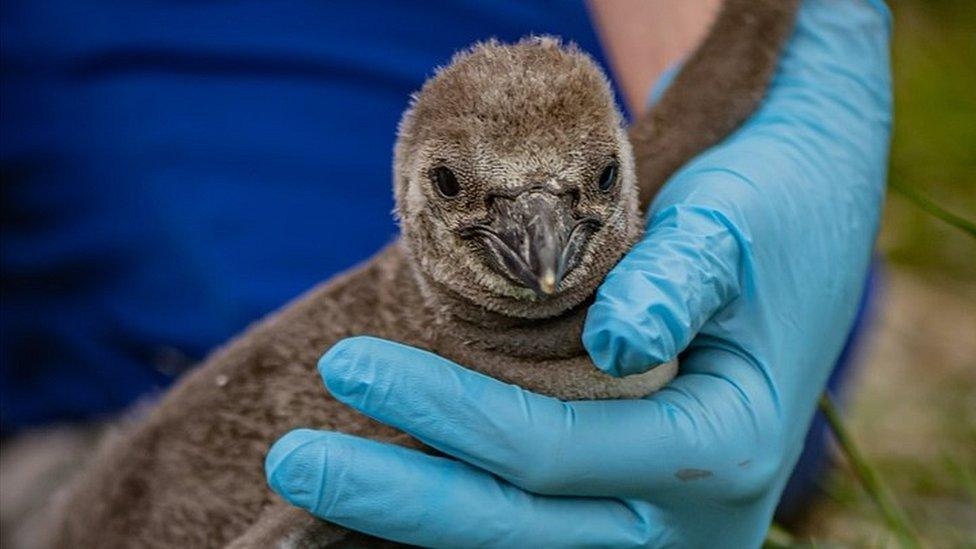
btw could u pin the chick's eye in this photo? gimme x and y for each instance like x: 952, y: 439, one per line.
x: 445, y: 181
x: 608, y: 177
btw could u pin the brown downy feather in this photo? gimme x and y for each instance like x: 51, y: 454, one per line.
x: 191, y: 474
x: 719, y: 86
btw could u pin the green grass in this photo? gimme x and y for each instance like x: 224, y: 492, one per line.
x: 934, y: 146
x: 868, y: 477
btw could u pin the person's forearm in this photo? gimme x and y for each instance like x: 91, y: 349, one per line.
x: 642, y: 38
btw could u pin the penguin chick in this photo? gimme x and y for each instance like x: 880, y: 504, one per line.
x: 516, y: 194
x: 515, y: 180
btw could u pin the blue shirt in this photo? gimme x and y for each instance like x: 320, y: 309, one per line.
x: 174, y: 170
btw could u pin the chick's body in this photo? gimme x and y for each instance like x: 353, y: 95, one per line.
x: 192, y: 474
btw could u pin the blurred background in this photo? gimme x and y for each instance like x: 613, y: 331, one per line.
x: 911, y: 401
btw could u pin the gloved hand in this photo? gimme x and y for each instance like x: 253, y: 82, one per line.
x: 754, y: 260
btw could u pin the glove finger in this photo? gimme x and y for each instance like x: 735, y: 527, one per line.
x: 661, y: 293
x: 703, y: 427
x: 404, y: 495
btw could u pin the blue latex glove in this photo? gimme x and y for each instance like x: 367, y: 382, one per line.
x: 754, y: 260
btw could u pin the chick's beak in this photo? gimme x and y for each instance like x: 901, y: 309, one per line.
x: 534, y: 239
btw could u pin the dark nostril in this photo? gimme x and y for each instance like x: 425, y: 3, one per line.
x: 574, y: 196
x: 490, y: 199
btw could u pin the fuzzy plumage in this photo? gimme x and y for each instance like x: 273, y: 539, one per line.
x: 501, y: 117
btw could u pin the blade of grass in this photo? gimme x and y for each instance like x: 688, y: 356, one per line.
x: 924, y: 203
x: 893, y: 516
